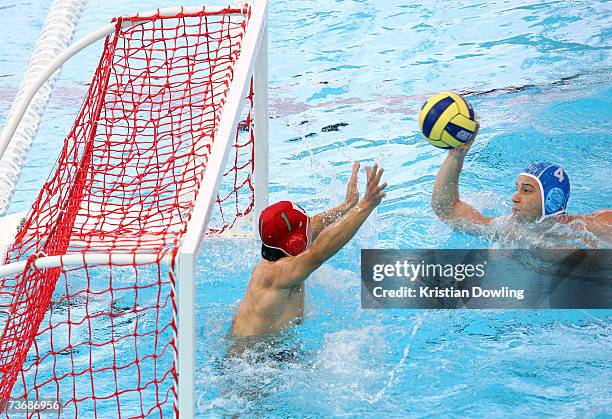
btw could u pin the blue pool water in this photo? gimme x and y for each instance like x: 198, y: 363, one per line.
x: 538, y: 75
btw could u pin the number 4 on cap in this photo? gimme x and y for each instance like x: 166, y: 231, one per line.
x: 559, y: 174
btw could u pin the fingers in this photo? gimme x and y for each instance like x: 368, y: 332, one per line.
x: 374, y: 191
x: 378, y: 191
x: 354, y: 174
x: 370, y: 172
x: 378, y: 176
x: 466, y: 145
x: 374, y: 174
x: 378, y: 194
x: 380, y: 188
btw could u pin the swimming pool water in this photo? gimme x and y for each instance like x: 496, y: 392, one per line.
x: 347, y: 79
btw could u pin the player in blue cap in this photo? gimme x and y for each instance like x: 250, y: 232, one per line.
x: 542, y: 193
x: 554, y: 186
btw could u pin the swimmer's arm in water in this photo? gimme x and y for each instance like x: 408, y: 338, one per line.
x: 322, y: 220
x: 292, y: 271
x: 598, y: 223
x: 445, y: 197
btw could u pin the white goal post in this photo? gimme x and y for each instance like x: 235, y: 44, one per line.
x: 254, y: 51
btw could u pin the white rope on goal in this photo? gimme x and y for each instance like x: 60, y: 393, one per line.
x: 56, y: 35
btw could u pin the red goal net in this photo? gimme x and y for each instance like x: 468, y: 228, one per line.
x: 102, y: 339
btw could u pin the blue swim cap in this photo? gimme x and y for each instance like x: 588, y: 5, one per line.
x: 554, y: 187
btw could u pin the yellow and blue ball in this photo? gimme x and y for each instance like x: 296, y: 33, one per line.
x: 447, y: 120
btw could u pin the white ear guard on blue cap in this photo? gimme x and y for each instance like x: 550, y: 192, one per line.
x: 554, y: 187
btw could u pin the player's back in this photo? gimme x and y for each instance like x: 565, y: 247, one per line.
x: 265, y: 307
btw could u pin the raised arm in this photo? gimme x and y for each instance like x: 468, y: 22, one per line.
x: 445, y: 198
x: 295, y: 270
x: 322, y: 220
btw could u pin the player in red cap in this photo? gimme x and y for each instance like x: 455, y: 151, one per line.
x: 293, y: 246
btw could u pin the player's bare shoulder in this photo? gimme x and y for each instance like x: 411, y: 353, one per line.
x: 264, y: 274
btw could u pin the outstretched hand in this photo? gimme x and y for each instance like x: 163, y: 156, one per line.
x: 352, y: 192
x: 374, y: 190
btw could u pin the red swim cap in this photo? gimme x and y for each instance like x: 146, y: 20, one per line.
x: 284, y: 226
